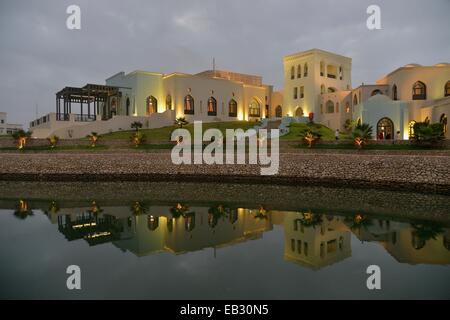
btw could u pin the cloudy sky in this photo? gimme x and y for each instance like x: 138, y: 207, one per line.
x: 39, y: 55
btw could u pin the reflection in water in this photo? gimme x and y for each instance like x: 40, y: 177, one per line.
x: 310, y: 239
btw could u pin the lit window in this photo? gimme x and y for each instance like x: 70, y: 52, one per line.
x: 212, y: 106
x: 419, y: 91
x: 232, y: 108
x: 188, y: 104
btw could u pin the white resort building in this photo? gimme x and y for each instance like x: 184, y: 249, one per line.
x: 7, y: 128
x: 317, y: 86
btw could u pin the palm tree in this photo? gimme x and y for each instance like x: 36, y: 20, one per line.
x: 426, y: 230
x: 261, y: 214
x: 136, y: 125
x: 361, y: 134
x: 310, y: 219
x: 358, y: 221
x: 214, y: 213
x: 94, y: 138
x: 21, y: 138
x: 23, y: 211
x: 53, y: 141
x: 180, y: 209
x: 138, y: 208
x: 137, y: 138
x: 180, y: 122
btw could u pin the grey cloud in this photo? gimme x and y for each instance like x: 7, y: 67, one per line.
x: 38, y: 55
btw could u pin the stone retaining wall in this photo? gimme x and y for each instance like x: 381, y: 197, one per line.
x: 425, y: 173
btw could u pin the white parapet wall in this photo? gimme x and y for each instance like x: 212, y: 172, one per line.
x: 72, y: 129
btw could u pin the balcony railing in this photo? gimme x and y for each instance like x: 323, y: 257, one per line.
x: 212, y: 113
x: 332, y: 76
x: 62, y: 117
x: 85, y: 118
x: 190, y: 111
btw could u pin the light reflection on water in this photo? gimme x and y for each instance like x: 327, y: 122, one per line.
x: 188, y: 250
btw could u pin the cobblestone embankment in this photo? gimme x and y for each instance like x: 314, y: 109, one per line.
x: 428, y: 173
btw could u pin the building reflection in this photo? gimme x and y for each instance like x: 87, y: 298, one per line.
x: 311, y: 239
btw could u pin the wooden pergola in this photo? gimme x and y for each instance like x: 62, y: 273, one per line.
x: 90, y: 96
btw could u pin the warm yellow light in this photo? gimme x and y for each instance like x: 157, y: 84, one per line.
x: 99, y: 234
x: 77, y: 226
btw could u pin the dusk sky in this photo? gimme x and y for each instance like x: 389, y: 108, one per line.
x: 39, y: 55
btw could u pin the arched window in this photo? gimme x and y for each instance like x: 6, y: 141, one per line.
x: 189, y: 222
x: 322, y: 249
x: 188, y: 104
x: 355, y: 100
x: 443, y: 120
x: 341, y: 73
x: 152, y: 222
x: 292, y: 72
x: 152, y: 105
x: 168, y: 102
x: 254, y: 109
x: 322, y: 89
x: 375, y: 92
x: 347, y: 107
x: 446, y: 242
x: 411, y: 129
x: 127, y: 106
x: 447, y: 89
x: 232, y: 108
x: 212, y: 106
x: 305, y: 70
x: 427, y: 120
x: 299, y: 71
x: 113, y: 106
x: 322, y: 68
x: 337, y: 107
x: 385, y: 129
x: 416, y: 241
x: 419, y: 91
x: 329, y: 107
x: 394, y: 92
x: 341, y: 243
x: 278, y: 112
x: 321, y: 108
x: 299, y: 112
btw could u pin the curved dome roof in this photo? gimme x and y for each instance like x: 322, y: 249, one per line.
x: 411, y: 65
x: 442, y: 64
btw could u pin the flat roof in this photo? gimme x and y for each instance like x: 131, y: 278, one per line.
x: 313, y: 51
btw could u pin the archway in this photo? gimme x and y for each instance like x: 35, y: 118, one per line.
x: 152, y: 105
x: 168, y: 102
x: 444, y: 121
x: 254, y: 108
x: 385, y: 129
x: 299, y: 112
x: 127, y: 104
x: 278, y: 112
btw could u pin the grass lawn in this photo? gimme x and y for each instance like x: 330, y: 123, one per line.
x: 58, y: 148
x: 297, y: 129
x: 163, y: 134
x: 368, y: 147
